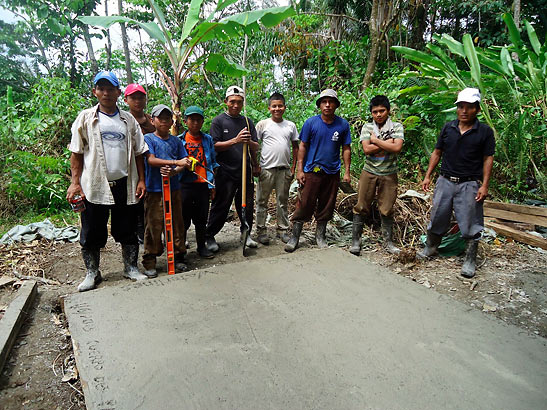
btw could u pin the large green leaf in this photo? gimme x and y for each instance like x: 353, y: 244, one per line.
x: 453, y: 45
x: 192, y: 18
x: 420, y: 57
x: 473, y: 60
x: 514, y: 34
x: 507, y: 62
x: 536, y: 45
x: 153, y: 30
x: 220, y: 64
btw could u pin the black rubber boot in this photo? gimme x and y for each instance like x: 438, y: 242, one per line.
x: 93, y: 277
x: 431, y: 244
x: 203, y: 251
x: 321, y: 234
x: 293, y: 242
x: 470, y: 262
x: 130, y: 254
x: 357, y: 232
x: 387, y: 234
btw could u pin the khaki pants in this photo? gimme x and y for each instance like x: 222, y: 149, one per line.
x: 154, y: 228
x: 280, y: 180
x: 386, y: 185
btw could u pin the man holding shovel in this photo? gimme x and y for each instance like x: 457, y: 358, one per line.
x: 231, y: 131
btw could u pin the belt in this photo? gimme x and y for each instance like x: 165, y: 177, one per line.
x: 459, y: 180
x: 112, y: 184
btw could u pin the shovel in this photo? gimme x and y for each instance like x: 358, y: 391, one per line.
x: 167, y: 221
x: 245, y: 232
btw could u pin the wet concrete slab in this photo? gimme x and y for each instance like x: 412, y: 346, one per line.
x: 316, y: 329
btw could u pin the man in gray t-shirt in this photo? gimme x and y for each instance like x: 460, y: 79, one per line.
x: 276, y: 135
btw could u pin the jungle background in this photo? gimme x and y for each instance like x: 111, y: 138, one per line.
x: 418, y: 52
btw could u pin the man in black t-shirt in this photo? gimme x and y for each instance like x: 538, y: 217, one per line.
x: 229, y: 132
x: 466, y: 147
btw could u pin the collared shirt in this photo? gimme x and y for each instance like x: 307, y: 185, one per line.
x: 86, y: 140
x: 383, y: 162
x: 463, y: 154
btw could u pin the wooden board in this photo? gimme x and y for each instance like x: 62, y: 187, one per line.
x: 14, y: 317
x: 522, y: 209
x: 516, y: 216
x: 517, y: 235
x: 6, y: 280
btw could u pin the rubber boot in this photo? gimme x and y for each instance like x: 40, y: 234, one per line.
x: 321, y: 234
x: 357, y: 232
x: 293, y: 242
x: 387, y: 234
x: 92, y: 276
x: 203, y: 251
x: 130, y: 254
x: 431, y: 244
x: 470, y: 262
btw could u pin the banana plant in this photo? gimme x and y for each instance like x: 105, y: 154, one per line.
x: 197, y: 30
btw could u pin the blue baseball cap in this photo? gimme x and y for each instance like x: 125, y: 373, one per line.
x: 193, y: 109
x: 107, y: 75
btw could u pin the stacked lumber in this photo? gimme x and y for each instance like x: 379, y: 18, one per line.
x: 512, y: 221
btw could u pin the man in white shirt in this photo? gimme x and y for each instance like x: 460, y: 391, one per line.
x: 107, y: 169
x: 276, y: 135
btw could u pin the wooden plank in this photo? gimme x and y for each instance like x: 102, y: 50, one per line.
x: 517, y: 235
x: 6, y: 280
x: 522, y: 209
x: 516, y: 216
x: 14, y: 317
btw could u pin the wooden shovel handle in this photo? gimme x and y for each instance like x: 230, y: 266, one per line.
x: 244, y: 176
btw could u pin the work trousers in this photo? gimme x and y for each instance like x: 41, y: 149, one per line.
x: 154, y: 227
x: 195, y: 205
x: 318, y: 195
x: 228, y: 190
x: 459, y: 198
x: 123, y: 220
x: 370, y: 185
x: 278, y: 178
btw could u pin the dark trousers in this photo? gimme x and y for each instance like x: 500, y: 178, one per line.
x: 228, y: 190
x: 318, y: 195
x: 195, y: 205
x: 123, y: 220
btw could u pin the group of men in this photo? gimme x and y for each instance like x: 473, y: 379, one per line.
x: 119, y: 159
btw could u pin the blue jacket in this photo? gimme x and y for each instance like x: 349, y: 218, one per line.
x: 209, y: 150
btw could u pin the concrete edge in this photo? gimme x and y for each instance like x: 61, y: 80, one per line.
x: 14, y: 317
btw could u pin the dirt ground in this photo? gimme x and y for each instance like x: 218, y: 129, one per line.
x: 510, y: 284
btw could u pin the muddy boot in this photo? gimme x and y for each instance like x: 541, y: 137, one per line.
x: 130, y: 254
x: 387, y: 234
x: 321, y: 234
x: 470, y: 262
x: 203, y: 251
x: 293, y: 242
x: 431, y: 244
x: 357, y: 232
x: 93, y: 276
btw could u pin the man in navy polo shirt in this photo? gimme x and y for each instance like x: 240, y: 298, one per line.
x: 466, y: 147
x: 318, y: 167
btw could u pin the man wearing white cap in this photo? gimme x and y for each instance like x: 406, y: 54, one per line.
x: 466, y: 147
x: 318, y: 167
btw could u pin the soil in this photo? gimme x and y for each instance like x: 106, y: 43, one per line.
x: 510, y: 284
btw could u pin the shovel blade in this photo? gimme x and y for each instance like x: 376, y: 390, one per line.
x: 245, y: 232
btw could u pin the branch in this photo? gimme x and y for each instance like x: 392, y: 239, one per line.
x: 337, y: 15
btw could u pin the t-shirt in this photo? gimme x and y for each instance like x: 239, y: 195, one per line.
x: 113, y: 135
x: 194, y: 147
x: 383, y: 162
x: 170, y: 149
x: 276, y: 140
x: 224, y: 128
x: 325, y: 141
x: 463, y: 155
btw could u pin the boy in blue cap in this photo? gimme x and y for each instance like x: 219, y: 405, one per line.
x: 195, y: 189
x: 166, y: 157
x: 107, y: 167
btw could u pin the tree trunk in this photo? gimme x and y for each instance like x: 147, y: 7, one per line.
x: 336, y: 28
x: 516, y: 12
x: 72, y: 60
x: 91, y: 53
x: 374, y: 30
x: 108, y: 46
x: 125, y: 43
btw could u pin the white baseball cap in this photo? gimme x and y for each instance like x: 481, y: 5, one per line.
x: 469, y: 95
x: 234, y: 90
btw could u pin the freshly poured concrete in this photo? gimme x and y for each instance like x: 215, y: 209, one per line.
x: 317, y: 329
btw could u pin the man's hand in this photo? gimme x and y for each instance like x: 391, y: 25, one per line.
x: 301, y: 178
x: 347, y: 177
x: 256, y: 170
x: 243, y: 136
x: 482, y: 193
x: 213, y: 193
x: 74, y: 189
x: 185, y: 162
x: 168, y: 171
x: 141, y: 189
x: 373, y: 138
x: 425, y: 184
